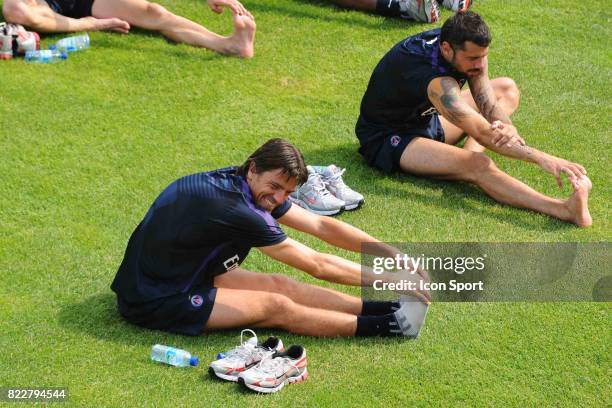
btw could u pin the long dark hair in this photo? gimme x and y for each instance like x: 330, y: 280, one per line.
x: 277, y: 154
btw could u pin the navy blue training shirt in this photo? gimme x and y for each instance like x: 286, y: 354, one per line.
x: 396, y: 98
x: 200, y: 226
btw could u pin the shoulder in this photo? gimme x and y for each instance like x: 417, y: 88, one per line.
x: 210, y: 183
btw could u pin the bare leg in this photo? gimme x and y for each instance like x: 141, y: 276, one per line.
x: 508, y: 96
x: 302, y: 293
x: 151, y: 16
x: 38, y: 16
x: 241, y: 308
x: 430, y: 158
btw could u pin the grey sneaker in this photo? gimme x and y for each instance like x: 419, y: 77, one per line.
x: 314, y: 197
x: 332, y: 177
x: 426, y: 11
x: 457, y: 5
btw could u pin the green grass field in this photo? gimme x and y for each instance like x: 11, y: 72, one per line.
x: 89, y: 143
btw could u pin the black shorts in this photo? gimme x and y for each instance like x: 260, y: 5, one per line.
x: 384, y: 149
x: 185, y: 313
x: 71, y: 8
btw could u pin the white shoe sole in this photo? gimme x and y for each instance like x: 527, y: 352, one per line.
x: 226, y: 377
x: 265, y: 390
x: 319, y: 212
x: 355, y: 206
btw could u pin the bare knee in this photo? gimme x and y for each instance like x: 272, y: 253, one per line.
x: 278, y: 310
x: 157, y: 12
x: 283, y: 284
x: 18, y: 12
x: 478, y: 165
x: 508, y: 93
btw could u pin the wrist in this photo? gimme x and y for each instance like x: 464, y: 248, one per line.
x: 542, y: 159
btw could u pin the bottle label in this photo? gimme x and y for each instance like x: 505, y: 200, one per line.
x: 171, y: 357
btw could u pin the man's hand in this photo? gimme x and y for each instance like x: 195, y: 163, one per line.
x: 234, y: 5
x: 556, y: 166
x: 105, y: 24
x: 506, y: 135
x: 419, y: 280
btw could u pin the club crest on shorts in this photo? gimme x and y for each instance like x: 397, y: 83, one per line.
x: 395, y: 140
x: 197, y: 300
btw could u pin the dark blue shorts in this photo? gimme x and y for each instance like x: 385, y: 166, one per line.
x: 185, y: 313
x: 71, y: 8
x: 384, y: 148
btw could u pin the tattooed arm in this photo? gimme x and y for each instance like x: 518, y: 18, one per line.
x: 445, y: 94
x: 485, y: 99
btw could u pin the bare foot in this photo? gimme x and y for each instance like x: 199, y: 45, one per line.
x: 243, y: 39
x: 110, y: 24
x: 578, y: 203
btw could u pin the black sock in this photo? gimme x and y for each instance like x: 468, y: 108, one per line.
x: 389, y: 8
x: 384, y: 325
x: 374, y: 308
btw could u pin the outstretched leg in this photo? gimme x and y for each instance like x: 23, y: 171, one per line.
x: 301, y: 293
x: 426, y: 157
x: 251, y: 308
x: 38, y: 16
x: 152, y: 16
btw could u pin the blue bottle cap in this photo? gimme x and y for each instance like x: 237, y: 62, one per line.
x: 194, y: 361
x: 220, y: 356
x: 64, y: 55
x: 52, y: 47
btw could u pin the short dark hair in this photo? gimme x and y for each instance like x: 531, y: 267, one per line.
x: 465, y: 26
x: 277, y: 154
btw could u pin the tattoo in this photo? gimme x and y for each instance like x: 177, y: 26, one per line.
x: 451, y: 100
x: 527, y: 150
x: 489, y: 108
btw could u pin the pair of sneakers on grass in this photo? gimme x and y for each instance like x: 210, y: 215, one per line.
x: 264, y: 368
x: 325, y: 193
x: 428, y: 11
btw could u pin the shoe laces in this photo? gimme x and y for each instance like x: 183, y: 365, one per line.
x: 336, y: 180
x: 316, y: 182
x: 270, y: 365
x: 245, y: 350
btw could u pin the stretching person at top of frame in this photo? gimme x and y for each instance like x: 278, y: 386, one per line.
x: 51, y: 16
x: 427, y: 11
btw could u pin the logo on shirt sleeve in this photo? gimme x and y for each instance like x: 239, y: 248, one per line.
x: 395, y: 140
x: 430, y: 111
x: 231, y: 263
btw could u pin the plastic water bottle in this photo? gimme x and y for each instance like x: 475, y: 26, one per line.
x: 173, y: 356
x: 45, y: 56
x: 71, y: 44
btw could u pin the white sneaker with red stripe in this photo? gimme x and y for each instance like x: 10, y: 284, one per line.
x: 244, y: 356
x: 274, y: 372
x: 457, y: 5
x: 15, y: 39
x: 426, y: 11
